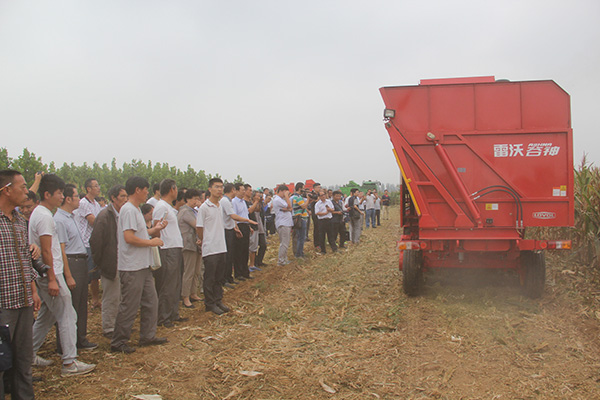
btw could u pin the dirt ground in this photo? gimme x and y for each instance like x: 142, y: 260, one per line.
x: 339, y: 327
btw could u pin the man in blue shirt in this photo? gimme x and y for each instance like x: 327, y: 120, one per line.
x: 282, y: 207
x: 70, y: 240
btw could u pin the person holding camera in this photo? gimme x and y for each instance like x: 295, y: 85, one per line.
x: 300, y: 216
x: 370, y: 206
x: 356, y: 215
x: 18, y: 294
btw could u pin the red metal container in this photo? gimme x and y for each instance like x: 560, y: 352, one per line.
x: 481, y: 160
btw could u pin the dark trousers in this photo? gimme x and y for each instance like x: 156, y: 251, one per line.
x: 378, y: 217
x: 339, y: 229
x: 168, y: 284
x: 79, y: 297
x: 228, y: 270
x: 316, y: 234
x: 213, y: 268
x: 19, y: 323
x: 138, y: 293
x: 326, y: 228
x: 241, y: 251
x: 270, y: 225
x: 262, y: 249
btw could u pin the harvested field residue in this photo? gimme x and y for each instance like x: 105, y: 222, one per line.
x: 338, y: 326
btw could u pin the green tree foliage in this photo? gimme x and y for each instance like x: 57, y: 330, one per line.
x: 28, y: 164
x: 5, y: 160
x: 107, y: 175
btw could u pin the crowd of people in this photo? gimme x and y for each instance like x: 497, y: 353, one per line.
x: 150, y: 255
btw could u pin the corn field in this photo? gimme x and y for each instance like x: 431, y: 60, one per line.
x: 587, y: 213
x: 586, y: 232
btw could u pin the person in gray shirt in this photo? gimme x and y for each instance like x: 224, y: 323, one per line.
x: 134, y: 260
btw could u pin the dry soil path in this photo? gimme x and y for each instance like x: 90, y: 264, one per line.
x: 339, y: 327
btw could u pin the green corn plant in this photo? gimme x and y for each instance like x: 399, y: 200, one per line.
x: 586, y: 232
x: 587, y: 212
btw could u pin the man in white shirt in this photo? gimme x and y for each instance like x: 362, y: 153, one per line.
x: 53, y: 288
x: 323, y: 209
x: 377, y: 209
x: 84, y: 217
x: 168, y: 276
x: 230, y: 220
x: 137, y: 283
x: 230, y: 226
x: 282, y: 208
x: 370, y: 206
x: 156, y: 197
x: 211, y: 235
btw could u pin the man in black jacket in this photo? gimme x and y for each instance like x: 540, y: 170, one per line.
x: 313, y: 198
x: 103, y: 243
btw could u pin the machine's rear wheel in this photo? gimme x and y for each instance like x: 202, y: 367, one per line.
x: 412, y: 272
x: 533, y: 273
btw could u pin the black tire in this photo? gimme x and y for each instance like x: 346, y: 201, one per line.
x: 412, y: 272
x: 533, y: 265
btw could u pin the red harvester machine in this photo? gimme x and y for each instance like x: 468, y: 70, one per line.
x: 481, y: 161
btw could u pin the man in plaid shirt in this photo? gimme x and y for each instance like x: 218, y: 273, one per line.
x: 18, y: 294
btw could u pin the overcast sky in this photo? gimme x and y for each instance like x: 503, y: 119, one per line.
x: 271, y: 90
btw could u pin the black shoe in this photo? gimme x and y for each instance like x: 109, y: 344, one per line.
x: 124, y: 348
x: 233, y: 282
x: 35, y: 378
x: 153, y: 342
x: 241, y: 278
x: 215, y: 310
x: 181, y: 319
x: 168, y: 324
x: 249, y: 277
x: 107, y: 335
x: 190, y: 306
x: 228, y: 285
x: 87, y: 346
x: 222, y: 306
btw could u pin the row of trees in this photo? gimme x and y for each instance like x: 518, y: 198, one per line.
x: 107, y: 175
